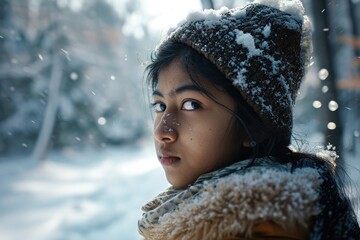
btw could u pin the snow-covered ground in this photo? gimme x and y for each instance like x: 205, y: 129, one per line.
x: 76, y: 196
x: 90, y: 195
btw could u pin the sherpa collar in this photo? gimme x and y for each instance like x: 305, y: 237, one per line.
x: 230, y: 201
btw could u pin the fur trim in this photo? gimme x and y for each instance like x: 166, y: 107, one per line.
x: 232, y: 205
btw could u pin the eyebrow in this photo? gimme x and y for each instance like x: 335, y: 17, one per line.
x: 184, y: 88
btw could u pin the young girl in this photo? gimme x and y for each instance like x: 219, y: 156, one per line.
x: 223, y: 89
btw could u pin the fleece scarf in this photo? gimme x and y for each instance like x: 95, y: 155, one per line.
x: 231, y: 201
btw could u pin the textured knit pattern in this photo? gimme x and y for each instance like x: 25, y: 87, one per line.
x: 259, y: 48
x: 230, y: 201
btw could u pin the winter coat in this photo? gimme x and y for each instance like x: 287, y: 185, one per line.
x: 252, y: 200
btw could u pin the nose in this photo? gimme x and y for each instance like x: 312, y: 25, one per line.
x: 165, y: 130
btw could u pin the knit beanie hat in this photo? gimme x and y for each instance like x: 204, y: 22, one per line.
x: 262, y: 47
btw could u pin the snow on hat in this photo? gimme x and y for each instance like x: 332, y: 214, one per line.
x: 262, y: 47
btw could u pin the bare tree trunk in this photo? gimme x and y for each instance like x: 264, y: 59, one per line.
x: 352, y: 10
x: 325, y: 60
x: 354, y: 94
x: 42, y: 143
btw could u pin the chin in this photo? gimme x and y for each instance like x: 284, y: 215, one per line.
x: 176, y: 184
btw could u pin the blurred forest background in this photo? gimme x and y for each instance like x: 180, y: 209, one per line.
x: 69, y: 75
x: 76, y: 157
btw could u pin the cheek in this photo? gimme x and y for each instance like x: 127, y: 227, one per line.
x: 220, y: 135
x: 188, y: 136
x: 207, y: 134
x: 202, y: 137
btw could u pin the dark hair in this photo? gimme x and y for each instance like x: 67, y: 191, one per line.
x: 265, y: 141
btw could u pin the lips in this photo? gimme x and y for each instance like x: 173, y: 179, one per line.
x: 169, y: 160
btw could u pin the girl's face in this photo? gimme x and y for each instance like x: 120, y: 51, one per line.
x: 193, y: 134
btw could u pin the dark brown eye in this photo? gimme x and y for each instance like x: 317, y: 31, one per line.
x: 158, y: 107
x: 190, y: 105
